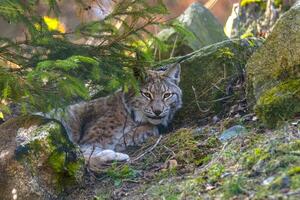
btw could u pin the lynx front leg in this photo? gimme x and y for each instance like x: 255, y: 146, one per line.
x: 95, y: 156
x: 142, y: 133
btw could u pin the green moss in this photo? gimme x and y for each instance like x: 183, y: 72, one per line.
x: 280, y: 183
x: 295, y: 182
x: 241, y: 170
x: 74, y: 167
x: 62, y: 166
x: 279, y: 103
x: 200, y: 180
x: 204, y: 160
x: 255, y: 155
x: 295, y: 145
x: 290, y: 180
x: 277, y: 61
x: 294, y: 170
x: 247, y: 2
x: 35, y: 147
x: 162, y: 174
x: 278, y: 3
x: 288, y: 147
x: 168, y: 192
x: 215, y: 172
x: 233, y: 187
x: 262, y: 3
x: 247, y: 35
x: 213, y: 141
x: 48, y: 147
x: 185, y: 146
x: 279, y: 163
x: 58, y: 137
x: 210, y: 70
x: 57, y: 161
x: 119, y: 173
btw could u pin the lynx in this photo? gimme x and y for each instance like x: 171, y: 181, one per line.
x: 104, y: 127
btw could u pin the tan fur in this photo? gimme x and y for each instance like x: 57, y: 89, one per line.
x: 124, y: 119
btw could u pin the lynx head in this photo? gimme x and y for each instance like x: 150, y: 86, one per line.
x: 159, y: 97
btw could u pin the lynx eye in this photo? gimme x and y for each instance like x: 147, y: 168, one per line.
x: 167, y: 95
x: 146, y: 94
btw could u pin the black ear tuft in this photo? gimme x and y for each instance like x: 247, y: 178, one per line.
x: 173, y: 72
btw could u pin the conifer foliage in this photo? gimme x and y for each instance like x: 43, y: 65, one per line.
x: 49, y: 69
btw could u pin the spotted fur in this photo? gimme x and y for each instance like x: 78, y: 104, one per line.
x: 106, y: 125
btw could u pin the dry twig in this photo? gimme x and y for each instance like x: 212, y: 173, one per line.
x: 147, y: 151
x: 202, y: 169
x: 197, y: 101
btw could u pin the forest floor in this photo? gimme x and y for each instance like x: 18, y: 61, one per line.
x: 200, y: 163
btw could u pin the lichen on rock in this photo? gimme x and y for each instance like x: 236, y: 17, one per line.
x: 42, y: 163
x: 48, y: 146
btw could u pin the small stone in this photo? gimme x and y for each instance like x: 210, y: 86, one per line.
x: 198, y: 131
x: 232, y: 132
x: 171, y: 164
x: 226, y: 174
x: 14, y: 191
x: 237, y: 115
x: 234, y: 109
x: 286, y: 182
x: 215, y: 119
x: 268, y: 180
x: 295, y: 123
x: 209, y: 187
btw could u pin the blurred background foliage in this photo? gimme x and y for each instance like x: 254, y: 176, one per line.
x: 51, y: 67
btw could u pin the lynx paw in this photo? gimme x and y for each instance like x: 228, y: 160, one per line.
x: 97, y: 157
x: 110, y: 155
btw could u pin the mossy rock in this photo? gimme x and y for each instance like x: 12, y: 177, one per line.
x: 41, y: 162
x: 272, y: 66
x: 278, y: 59
x: 279, y: 103
x: 209, y: 77
x: 202, y: 29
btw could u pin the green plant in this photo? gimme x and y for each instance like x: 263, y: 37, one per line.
x: 215, y: 172
x: 233, y: 187
x: 120, y: 173
x: 49, y: 70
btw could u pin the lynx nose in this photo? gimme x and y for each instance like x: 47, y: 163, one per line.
x: 157, y: 112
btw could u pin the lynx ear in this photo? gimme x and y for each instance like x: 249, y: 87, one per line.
x: 173, y: 72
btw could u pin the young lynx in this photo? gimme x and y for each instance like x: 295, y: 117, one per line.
x: 105, y: 126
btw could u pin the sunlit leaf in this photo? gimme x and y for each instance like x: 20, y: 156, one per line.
x: 54, y: 24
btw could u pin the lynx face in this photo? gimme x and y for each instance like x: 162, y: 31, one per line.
x: 159, y: 97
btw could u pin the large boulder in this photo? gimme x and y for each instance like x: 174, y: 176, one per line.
x: 212, y: 80
x: 274, y: 70
x: 203, y: 27
x: 37, y: 161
